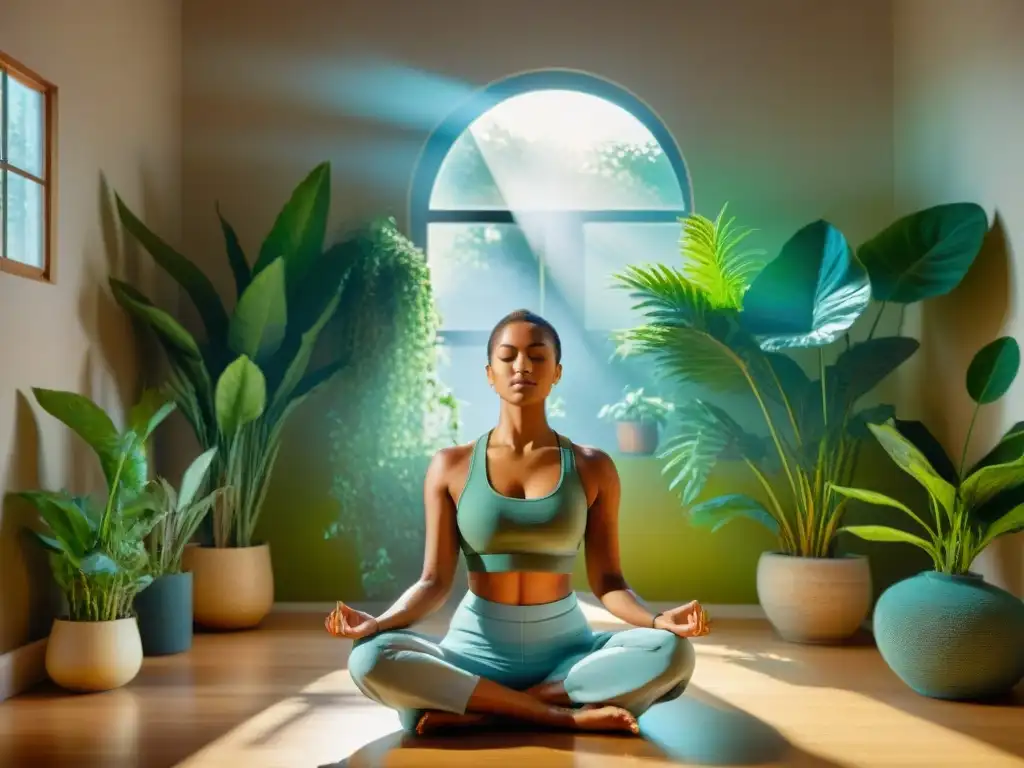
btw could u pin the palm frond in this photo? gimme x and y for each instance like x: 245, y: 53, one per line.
x: 715, y: 263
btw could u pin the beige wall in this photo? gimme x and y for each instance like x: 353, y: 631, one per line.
x: 959, y: 119
x: 117, y: 64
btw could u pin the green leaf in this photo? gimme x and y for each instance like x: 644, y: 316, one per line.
x: 990, y: 481
x: 193, y: 478
x: 1009, y: 448
x: 993, y: 369
x: 67, y: 521
x: 721, y: 510
x: 887, y: 534
x: 810, y: 294
x: 260, y: 319
x: 705, y: 434
x: 96, y: 563
x: 325, y: 281
x: 714, y: 262
x: 665, y: 296
x: 87, y: 420
x: 880, y: 499
x: 692, y: 357
x: 147, y: 414
x: 924, y: 254
x: 1011, y: 522
x: 914, y: 463
x: 196, y: 284
x: 51, y: 543
x: 236, y: 256
x: 922, y: 438
x: 299, y: 230
x: 862, y: 367
x: 241, y: 396
x: 876, y: 414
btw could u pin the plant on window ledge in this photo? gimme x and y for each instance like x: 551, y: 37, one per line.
x: 723, y: 322
x: 637, y: 417
x: 391, y: 411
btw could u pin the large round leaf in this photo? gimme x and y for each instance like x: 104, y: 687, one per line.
x: 924, y: 254
x: 993, y: 370
x: 810, y: 294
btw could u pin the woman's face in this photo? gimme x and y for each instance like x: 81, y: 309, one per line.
x: 523, y: 368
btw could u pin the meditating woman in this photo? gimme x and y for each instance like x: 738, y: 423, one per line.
x: 519, y: 502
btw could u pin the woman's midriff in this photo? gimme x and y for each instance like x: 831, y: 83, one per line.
x: 519, y: 588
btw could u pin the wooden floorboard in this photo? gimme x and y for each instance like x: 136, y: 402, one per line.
x: 280, y: 696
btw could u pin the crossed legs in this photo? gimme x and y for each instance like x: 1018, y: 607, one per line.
x: 605, y: 686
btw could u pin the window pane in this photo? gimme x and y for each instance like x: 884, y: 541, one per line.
x: 25, y: 221
x: 25, y: 127
x: 609, y: 249
x: 557, y: 149
x: 480, y: 272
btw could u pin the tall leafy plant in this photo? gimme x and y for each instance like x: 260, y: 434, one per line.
x: 392, y: 411
x: 96, y: 546
x: 238, y: 385
x: 726, y: 321
x: 970, y: 506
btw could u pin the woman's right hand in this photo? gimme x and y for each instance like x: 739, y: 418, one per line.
x: 345, y: 621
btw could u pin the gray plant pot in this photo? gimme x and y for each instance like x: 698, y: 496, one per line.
x: 164, y: 609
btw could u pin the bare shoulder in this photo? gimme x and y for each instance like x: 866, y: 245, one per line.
x: 449, y: 467
x: 597, y: 469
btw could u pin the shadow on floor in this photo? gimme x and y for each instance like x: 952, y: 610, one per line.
x: 695, y: 729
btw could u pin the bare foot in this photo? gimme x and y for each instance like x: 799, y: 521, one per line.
x: 604, y: 718
x: 434, y: 720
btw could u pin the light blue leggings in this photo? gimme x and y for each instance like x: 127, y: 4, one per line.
x: 519, y: 646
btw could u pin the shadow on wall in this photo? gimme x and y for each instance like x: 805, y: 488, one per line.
x: 27, y: 599
x: 954, y: 328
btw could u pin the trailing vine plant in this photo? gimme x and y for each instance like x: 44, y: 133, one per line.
x: 391, y: 412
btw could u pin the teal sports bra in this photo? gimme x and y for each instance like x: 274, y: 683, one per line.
x: 500, y: 533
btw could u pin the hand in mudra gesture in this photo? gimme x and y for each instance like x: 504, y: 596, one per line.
x: 345, y: 621
x: 690, y: 620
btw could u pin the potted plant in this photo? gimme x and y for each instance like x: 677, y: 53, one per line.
x: 723, y: 325
x: 637, y: 417
x: 946, y: 632
x: 239, y: 385
x: 97, y: 552
x: 164, y: 609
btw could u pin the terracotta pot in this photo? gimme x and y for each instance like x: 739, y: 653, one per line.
x: 637, y: 437
x: 232, y: 587
x: 91, y: 656
x: 814, y: 599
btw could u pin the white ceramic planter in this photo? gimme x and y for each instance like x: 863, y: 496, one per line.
x: 814, y: 600
x: 92, y: 656
x: 232, y: 587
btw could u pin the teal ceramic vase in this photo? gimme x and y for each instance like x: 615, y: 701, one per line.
x: 951, y: 637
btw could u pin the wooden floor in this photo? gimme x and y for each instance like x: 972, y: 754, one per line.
x: 280, y: 696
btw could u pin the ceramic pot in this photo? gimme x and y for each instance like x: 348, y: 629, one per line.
x: 637, y: 437
x: 164, y: 610
x: 951, y: 637
x: 232, y: 587
x: 814, y: 599
x: 92, y: 656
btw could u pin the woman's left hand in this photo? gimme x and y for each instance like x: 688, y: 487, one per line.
x: 690, y: 620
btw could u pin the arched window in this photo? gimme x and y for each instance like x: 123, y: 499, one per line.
x: 531, y: 195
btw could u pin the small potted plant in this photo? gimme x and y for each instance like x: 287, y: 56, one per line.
x: 637, y: 417
x: 97, y: 547
x: 164, y: 609
x: 946, y: 632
